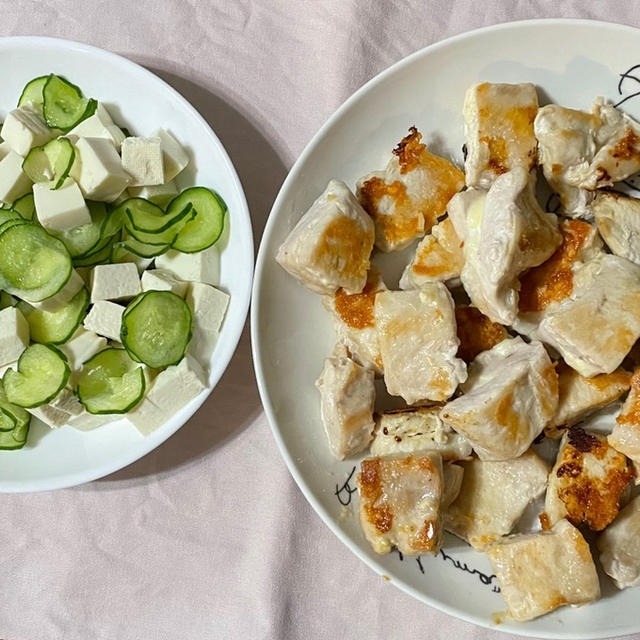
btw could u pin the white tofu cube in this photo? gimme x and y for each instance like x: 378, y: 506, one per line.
x: 99, y: 125
x: 53, y: 303
x: 115, y: 282
x: 97, y: 170
x: 203, y: 266
x: 105, y: 319
x: 208, y: 306
x: 14, y: 335
x: 82, y: 346
x: 4, y: 149
x: 160, y: 194
x: 60, y: 209
x: 161, y: 280
x: 14, y: 182
x: 24, y: 129
x: 87, y: 421
x: 142, y: 160
x: 174, y: 157
x: 51, y: 416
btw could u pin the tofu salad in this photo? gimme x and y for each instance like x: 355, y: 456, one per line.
x: 108, y: 305
x: 509, y: 326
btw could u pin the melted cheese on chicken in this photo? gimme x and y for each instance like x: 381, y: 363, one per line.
x: 625, y: 436
x: 618, y: 219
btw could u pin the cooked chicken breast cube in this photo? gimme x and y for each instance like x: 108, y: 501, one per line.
x: 625, y: 436
x: 400, y: 503
x: 452, y: 474
x: 330, y: 246
x: 438, y: 258
x: 476, y: 332
x: 354, y: 320
x: 493, y: 497
x: 587, y: 481
x: 414, y: 430
x: 407, y: 198
x: 618, y: 219
x: 540, y: 572
x: 418, y: 343
x: 347, y: 395
x: 498, y: 127
x: 504, y: 233
x: 619, y: 547
x: 509, y: 397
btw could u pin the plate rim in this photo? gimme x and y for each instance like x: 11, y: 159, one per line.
x: 156, y: 438
x: 519, y: 629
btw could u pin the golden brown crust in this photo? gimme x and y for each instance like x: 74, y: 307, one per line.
x: 371, y: 488
x: 356, y: 310
x: 476, y: 332
x: 631, y: 415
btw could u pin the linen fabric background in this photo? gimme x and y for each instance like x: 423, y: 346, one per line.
x: 208, y: 537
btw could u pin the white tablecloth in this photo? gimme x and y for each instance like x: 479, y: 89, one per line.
x: 208, y: 537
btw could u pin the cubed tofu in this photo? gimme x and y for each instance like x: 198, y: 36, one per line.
x: 58, y: 300
x: 68, y: 402
x: 162, y: 280
x: 498, y: 127
x: 354, y: 320
x: 14, y: 335
x: 105, y: 319
x: 51, y: 416
x: 115, y: 282
x: 142, y: 159
x: 87, y: 421
x: 174, y: 156
x: 400, y: 503
x: 625, y: 436
x: 418, y: 343
x: 99, y: 125
x: 619, y: 547
x: 509, y: 397
x: 347, y: 394
x: 203, y: 266
x: 587, y: 482
x: 618, y: 218
x: 81, y: 346
x: 4, y: 149
x: 476, y: 332
x: 493, y: 497
x: 97, y: 170
x: 60, y: 209
x: 330, y: 245
x: 540, y: 572
x: 407, y: 198
x: 14, y: 182
x: 160, y: 194
x: 417, y: 429
x: 24, y: 128
x: 208, y: 307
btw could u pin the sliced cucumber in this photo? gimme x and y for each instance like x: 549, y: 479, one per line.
x: 110, y: 382
x: 205, y: 229
x: 51, y: 162
x: 7, y: 421
x: 64, y: 106
x: 42, y: 372
x: 83, y: 240
x: 166, y: 228
x: 33, y: 264
x: 32, y: 91
x: 100, y: 256
x: 15, y: 439
x: 56, y: 327
x: 12, y: 223
x: 9, y: 214
x: 25, y: 206
x: 142, y: 249
x: 156, y: 328
x: 19, y: 415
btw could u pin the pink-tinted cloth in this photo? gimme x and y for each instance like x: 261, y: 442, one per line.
x: 208, y: 537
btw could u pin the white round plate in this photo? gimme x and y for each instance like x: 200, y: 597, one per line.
x: 142, y: 102
x: 571, y: 62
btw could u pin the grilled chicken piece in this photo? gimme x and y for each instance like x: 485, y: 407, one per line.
x: 400, y: 502
x: 417, y: 429
x: 625, y: 436
x: 619, y: 547
x: 347, y: 396
x: 438, y: 258
x: 587, y: 482
x: 354, y: 321
x: 452, y: 474
x: 505, y: 232
x: 493, y: 497
x: 509, y: 397
x: 618, y: 219
x: 418, y: 343
x: 498, y: 127
x: 476, y: 332
x: 407, y: 198
x: 540, y: 572
x: 330, y: 246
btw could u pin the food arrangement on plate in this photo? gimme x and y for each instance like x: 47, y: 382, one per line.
x: 108, y: 273
x: 510, y: 324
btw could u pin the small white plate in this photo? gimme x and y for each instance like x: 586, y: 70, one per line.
x: 571, y: 62
x: 140, y: 101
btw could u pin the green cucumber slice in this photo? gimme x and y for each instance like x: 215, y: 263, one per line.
x: 20, y: 416
x: 205, y: 229
x: 56, y: 327
x: 142, y: 249
x: 9, y: 214
x: 32, y: 91
x: 167, y: 227
x: 42, y: 372
x: 63, y: 104
x: 110, y: 382
x: 156, y: 328
x: 33, y: 264
x: 51, y: 162
x: 101, y: 255
x: 83, y: 240
x: 25, y: 206
x: 7, y: 421
x: 16, y: 439
x: 12, y: 223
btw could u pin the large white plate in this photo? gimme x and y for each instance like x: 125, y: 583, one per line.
x: 142, y: 102
x: 571, y: 62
